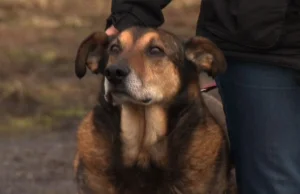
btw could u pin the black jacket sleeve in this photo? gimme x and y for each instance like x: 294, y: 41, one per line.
x: 127, y: 13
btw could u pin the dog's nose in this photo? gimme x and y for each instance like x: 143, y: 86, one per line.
x: 116, y: 73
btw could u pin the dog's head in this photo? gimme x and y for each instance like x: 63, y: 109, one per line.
x: 146, y: 65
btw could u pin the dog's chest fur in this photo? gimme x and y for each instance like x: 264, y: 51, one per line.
x: 148, y: 152
x: 143, y: 131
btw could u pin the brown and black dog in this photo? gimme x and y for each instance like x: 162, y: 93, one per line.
x: 151, y: 132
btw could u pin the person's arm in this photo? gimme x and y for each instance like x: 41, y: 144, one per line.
x: 127, y: 13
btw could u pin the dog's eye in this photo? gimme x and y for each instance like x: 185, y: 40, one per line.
x: 155, y: 51
x: 115, y: 49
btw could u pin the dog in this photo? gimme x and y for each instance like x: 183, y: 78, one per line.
x: 151, y: 132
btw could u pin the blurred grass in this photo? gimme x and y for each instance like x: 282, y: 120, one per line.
x: 39, y: 39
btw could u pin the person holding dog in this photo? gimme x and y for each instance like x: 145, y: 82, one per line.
x: 260, y: 89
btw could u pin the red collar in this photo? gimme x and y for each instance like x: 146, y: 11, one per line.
x: 209, y: 87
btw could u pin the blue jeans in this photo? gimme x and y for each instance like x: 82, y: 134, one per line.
x: 262, y: 106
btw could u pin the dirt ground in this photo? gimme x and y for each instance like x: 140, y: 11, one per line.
x: 39, y: 164
x: 41, y: 100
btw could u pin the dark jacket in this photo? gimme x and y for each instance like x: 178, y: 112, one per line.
x: 266, y: 31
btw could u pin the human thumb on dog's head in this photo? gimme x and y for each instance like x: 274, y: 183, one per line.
x: 92, y: 54
x: 205, y: 55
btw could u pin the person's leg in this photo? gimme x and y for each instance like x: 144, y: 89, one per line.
x: 262, y: 105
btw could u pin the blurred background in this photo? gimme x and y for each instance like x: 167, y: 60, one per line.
x: 41, y: 99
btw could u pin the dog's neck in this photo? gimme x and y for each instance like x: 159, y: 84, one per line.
x: 144, y: 129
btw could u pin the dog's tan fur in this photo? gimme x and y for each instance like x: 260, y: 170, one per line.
x: 141, y: 140
x: 141, y: 130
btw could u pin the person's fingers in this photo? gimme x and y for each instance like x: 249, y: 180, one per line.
x: 111, y: 31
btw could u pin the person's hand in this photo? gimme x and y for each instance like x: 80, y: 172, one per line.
x: 111, y: 31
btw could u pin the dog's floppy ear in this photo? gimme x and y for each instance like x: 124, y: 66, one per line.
x: 91, y: 53
x: 205, y: 55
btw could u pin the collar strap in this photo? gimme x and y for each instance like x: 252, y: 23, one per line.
x: 209, y: 87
